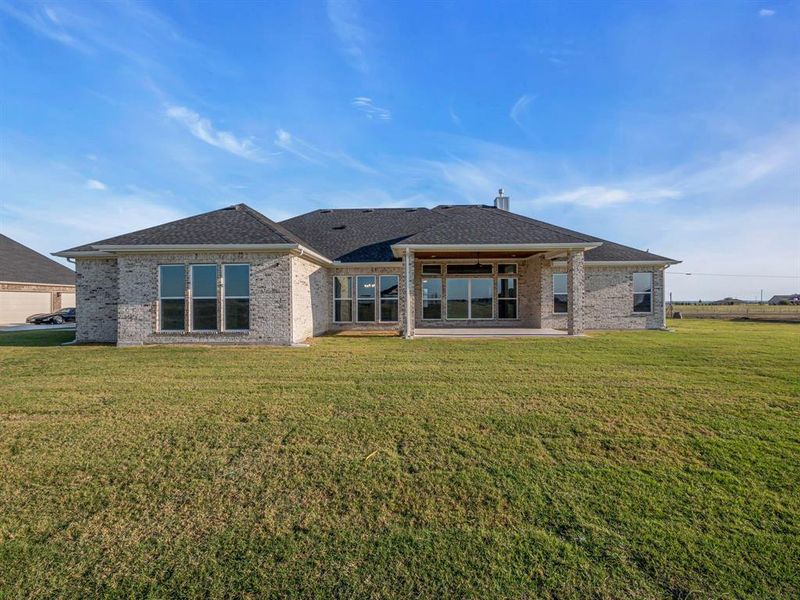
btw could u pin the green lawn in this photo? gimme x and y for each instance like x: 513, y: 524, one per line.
x: 621, y: 465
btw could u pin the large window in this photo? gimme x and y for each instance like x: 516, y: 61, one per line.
x: 507, y: 298
x: 560, y: 303
x: 365, y: 295
x: 204, y: 297
x: 432, y: 298
x: 389, y: 298
x: 172, y: 297
x: 236, y: 282
x: 642, y: 292
x: 469, y: 298
x: 342, y: 299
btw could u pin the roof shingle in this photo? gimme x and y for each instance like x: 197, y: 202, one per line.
x: 20, y: 264
x: 237, y: 224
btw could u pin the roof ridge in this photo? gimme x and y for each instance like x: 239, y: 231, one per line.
x: 277, y: 227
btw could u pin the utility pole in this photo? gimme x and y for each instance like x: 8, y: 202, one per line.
x: 762, y: 297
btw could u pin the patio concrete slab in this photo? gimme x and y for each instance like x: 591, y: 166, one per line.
x: 486, y: 332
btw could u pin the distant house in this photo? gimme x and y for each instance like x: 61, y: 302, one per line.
x: 234, y: 276
x: 31, y: 283
x: 785, y: 299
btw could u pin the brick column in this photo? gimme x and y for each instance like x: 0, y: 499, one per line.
x: 409, y: 314
x: 575, y: 293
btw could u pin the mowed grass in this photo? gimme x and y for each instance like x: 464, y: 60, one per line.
x: 622, y: 465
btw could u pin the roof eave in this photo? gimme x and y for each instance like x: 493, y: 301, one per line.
x: 398, y: 249
x: 628, y: 263
x: 108, y: 250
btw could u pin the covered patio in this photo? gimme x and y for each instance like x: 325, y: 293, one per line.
x: 491, y: 290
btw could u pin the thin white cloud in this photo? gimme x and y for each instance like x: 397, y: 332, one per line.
x: 455, y: 118
x: 520, y: 108
x: 45, y: 22
x: 599, y: 196
x: 367, y: 106
x: 94, y: 184
x: 203, y: 129
x: 766, y: 12
x: 313, y: 154
x: 345, y: 19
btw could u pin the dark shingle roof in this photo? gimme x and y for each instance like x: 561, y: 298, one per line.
x: 479, y: 224
x: 361, y: 234
x: 21, y: 264
x: 366, y: 235
x: 237, y: 224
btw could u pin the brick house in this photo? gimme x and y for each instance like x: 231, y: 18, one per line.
x: 31, y: 283
x: 234, y: 276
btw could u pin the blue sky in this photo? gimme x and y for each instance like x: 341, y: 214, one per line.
x: 668, y: 126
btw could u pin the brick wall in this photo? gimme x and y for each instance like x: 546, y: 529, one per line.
x: 96, y: 296
x: 311, y: 299
x: 389, y: 269
x: 270, y: 280
x: 608, y: 298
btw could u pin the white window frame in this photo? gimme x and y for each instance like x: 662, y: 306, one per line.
x: 469, y: 299
x: 335, y: 298
x: 515, y: 299
x: 635, y: 293
x: 380, y: 299
x: 429, y: 264
x: 192, y: 297
x: 553, y: 299
x: 160, y: 298
x: 514, y: 274
x: 422, y: 297
x: 226, y: 297
x: 374, y: 299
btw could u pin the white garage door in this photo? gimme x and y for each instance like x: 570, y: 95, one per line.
x: 67, y: 300
x: 16, y: 306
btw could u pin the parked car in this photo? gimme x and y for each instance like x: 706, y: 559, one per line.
x: 65, y: 315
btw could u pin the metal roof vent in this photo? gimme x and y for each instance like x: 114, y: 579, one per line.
x: 367, y: 210
x: 326, y: 211
x: 501, y: 201
x: 339, y: 227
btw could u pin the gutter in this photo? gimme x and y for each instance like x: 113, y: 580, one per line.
x: 108, y: 250
x: 398, y: 249
x: 622, y: 263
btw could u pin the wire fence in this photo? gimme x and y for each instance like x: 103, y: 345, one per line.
x: 760, y: 312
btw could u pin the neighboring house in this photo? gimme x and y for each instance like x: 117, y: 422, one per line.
x: 31, y: 283
x: 785, y: 299
x: 234, y: 276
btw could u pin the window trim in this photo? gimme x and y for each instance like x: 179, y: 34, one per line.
x: 553, y: 295
x: 374, y: 300
x: 469, y: 299
x: 635, y: 293
x: 380, y: 299
x: 441, y: 298
x: 190, y: 325
x: 515, y: 299
x: 514, y: 274
x: 335, y: 298
x: 159, y: 318
x: 223, y: 316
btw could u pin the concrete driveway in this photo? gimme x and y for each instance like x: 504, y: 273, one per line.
x: 29, y: 327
